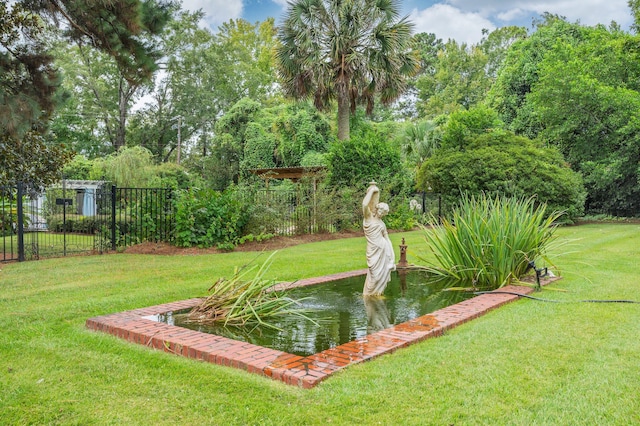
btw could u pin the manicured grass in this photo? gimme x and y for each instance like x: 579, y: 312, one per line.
x: 48, y: 244
x: 526, y: 363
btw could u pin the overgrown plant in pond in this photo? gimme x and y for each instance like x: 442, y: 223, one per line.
x: 490, y: 241
x: 243, y: 301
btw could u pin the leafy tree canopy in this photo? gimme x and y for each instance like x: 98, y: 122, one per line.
x: 29, y: 82
x: 460, y: 75
x: 578, y: 88
x: 460, y: 81
x: 250, y: 136
x: 31, y: 160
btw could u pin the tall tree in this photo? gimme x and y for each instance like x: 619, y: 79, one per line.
x: 205, y: 75
x: 495, y: 45
x: 425, y: 47
x: 248, y: 52
x: 460, y: 76
x: 100, y: 94
x: 184, y: 97
x: 576, y: 87
x: 460, y: 81
x: 115, y: 27
x: 345, y: 50
x: 634, y: 5
x: 587, y: 101
x: 520, y: 72
x: 29, y: 82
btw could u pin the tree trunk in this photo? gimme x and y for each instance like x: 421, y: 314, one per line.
x: 344, y: 113
x: 124, y: 94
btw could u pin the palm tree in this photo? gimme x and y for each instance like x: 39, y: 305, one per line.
x: 420, y: 141
x: 345, y: 50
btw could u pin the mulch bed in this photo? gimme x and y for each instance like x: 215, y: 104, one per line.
x: 274, y: 243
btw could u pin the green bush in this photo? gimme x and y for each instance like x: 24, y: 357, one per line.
x: 78, y: 168
x: 207, y: 218
x: 130, y: 167
x: 8, y: 217
x: 170, y: 175
x: 501, y: 163
x: 400, y: 217
x: 490, y: 241
x: 74, y: 223
x: 366, y: 156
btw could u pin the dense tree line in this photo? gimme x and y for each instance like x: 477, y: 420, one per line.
x: 550, y: 112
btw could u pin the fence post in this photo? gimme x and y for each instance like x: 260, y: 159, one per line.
x: 113, y: 217
x: 21, y: 256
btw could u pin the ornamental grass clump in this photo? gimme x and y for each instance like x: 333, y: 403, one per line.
x: 490, y: 241
x: 243, y: 301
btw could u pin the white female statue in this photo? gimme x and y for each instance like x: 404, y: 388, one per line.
x: 380, y: 257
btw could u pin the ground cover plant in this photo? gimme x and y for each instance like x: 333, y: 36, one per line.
x: 527, y: 362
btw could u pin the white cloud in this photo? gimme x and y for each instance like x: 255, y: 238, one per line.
x: 588, y: 12
x: 511, y: 15
x: 216, y: 11
x: 448, y: 22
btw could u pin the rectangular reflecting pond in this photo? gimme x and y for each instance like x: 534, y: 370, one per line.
x: 341, y: 312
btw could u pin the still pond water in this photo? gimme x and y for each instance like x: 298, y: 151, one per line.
x: 341, y: 312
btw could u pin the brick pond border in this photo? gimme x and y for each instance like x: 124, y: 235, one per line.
x: 306, y: 372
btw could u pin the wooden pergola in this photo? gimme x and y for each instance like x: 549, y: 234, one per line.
x: 292, y: 173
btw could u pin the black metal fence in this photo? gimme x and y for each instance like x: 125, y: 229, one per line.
x: 9, y: 224
x: 141, y: 214
x: 426, y: 205
x: 81, y: 217
x: 94, y: 216
x: 292, y: 212
x: 305, y: 210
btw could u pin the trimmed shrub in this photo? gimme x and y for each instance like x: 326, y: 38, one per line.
x: 501, y: 163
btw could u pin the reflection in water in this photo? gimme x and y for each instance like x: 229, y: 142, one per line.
x: 377, y: 313
x: 342, y: 314
x: 402, y: 274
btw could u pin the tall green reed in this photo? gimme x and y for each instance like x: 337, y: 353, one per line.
x: 490, y: 241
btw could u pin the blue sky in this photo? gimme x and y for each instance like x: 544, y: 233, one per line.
x: 462, y: 20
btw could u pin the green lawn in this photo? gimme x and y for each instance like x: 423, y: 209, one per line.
x: 526, y: 363
x: 48, y: 244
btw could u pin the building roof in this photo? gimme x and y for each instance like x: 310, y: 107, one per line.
x: 79, y: 184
